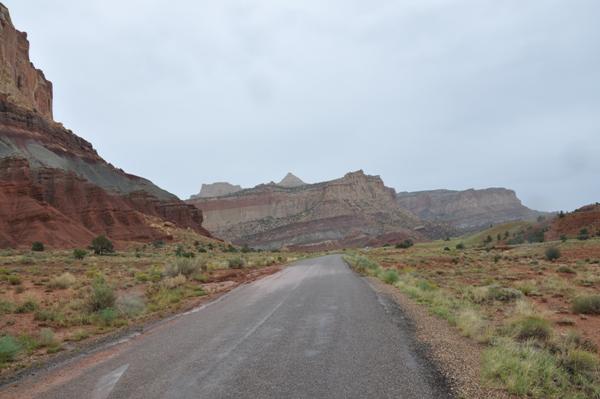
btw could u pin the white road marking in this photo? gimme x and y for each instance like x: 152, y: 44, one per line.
x: 106, y: 384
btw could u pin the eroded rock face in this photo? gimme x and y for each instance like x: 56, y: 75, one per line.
x: 467, y: 210
x: 353, y: 210
x: 54, y: 187
x: 218, y: 189
x: 24, y: 85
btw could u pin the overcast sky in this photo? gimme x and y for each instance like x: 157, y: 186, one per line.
x: 428, y: 94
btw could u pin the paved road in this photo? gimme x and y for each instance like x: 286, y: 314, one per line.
x: 314, y: 330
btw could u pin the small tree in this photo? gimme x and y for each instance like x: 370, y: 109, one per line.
x: 79, y: 253
x: 101, y: 245
x: 584, y: 234
x: 405, y: 244
x: 37, y: 246
x: 552, y: 253
x: 460, y: 245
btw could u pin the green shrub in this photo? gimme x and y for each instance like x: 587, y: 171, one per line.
x: 524, y: 370
x: 102, y: 296
x: 587, y: 304
x: 6, y: 307
x: 37, y: 246
x: 552, y: 253
x: 131, y: 305
x: 405, y: 244
x: 182, y: 253
x: 79, y: 253
x: 565, y: 269
x: 9, y: 349
x: 532, y: 327
x: 101, y: 245
x: 236, y: 263
x: 27, y: 307
x: 107, y: 316
x: 184, y: 266
x: 46, y: 338
x: 582, y: 362
x: 584, y: 234
x: 390, y: 276
x: 13, y: 279
x: 460, y: 246
x: 63, y: 281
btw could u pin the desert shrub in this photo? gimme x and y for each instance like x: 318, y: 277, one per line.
x: 37, y: 246
x: 79, y: 253
x: 494, y: 292
x: 6, y: 307
x: 497, y: 258
x: 174, y: 282
x: 181, y: 252
x: 584, y: 234
x: 565, y: 269
x: 158, y: 244
x: 532, y: 327
x: 563, y: 238
x: 460, y: 246
x: 9, y: 349
x: 230, y: 248
x: 524, y: 370
x: 101, y: 245
x: 131, y: 305
x: 425, y: 285
x: 405, y: 244
x: 552, y: 253
x: 63, y: 281
x: 184, y: 266
x: 390, y: 276
x: 102, y: 296
x: 27, y: 307
x: 13, y: 279
x: 587, y: 304
x: 236, y: 263
x: 581, y: 361
x: 245, y: 249
x: 107, y: 316
x: 471, y: 324
x: 46, y: 338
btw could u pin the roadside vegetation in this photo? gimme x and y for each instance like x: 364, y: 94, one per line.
x: 534, y: 307
x: 50, y: 300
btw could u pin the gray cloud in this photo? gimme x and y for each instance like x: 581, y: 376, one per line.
x: 428, y: 94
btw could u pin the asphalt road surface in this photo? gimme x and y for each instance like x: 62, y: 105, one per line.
x: 313, y: 330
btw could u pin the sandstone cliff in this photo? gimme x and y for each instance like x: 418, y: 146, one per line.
x: 54, y: 187
x: 354, y: 210
x: 217, y: 190
x: 468, y: 210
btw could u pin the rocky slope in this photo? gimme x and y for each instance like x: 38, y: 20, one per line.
x: 571, y: 224
x: 468, y: 210
x: 54, y: 187
x: 354, y: 210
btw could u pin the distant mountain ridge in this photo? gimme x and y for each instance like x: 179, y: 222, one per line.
x: 356, y: 209
x: 467, y: 210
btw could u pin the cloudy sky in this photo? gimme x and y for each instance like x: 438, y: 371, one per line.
x: 426, y: 93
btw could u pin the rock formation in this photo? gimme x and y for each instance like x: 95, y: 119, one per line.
x: 468, y: 210
x: 291, y: 181
x: 218, y: 189
x: 354, y: 210
x: 54, y: 187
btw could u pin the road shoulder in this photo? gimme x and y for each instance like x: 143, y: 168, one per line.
x: 457, y: 357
